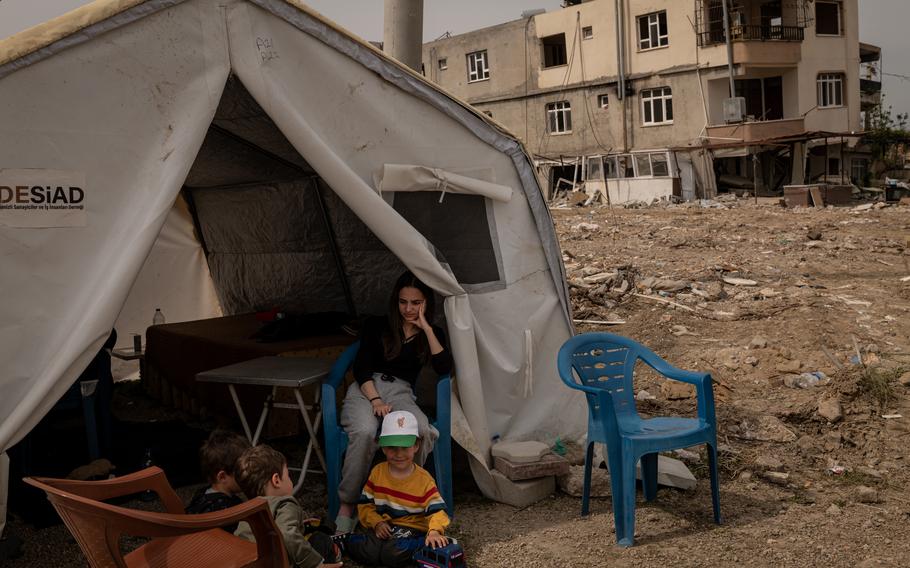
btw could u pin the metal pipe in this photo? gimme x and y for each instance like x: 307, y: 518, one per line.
x: 619, y: 10
x: 729, y: 48
x: 402, y: 33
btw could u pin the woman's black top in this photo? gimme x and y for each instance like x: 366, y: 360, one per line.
x: 371, y: 355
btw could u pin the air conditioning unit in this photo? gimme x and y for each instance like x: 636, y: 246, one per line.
x: 734, y: 109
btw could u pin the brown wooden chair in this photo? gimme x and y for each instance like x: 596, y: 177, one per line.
x: 177, y: 539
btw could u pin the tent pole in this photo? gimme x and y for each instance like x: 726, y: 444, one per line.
x: 342, y: 275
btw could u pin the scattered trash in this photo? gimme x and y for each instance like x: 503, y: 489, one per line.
x: 837, y: 470
x: 805, y: 380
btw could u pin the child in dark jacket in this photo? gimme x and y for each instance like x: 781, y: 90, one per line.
x: 263, y: 472
x: 217, y: 459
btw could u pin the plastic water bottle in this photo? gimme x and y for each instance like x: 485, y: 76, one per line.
x: 158, y: 318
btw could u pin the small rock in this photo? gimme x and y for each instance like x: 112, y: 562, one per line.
x: 814, y: 235
x: 866, y: 494
x: 767, y: 462
x: 806, y: 443
x: 830, y: 409
x: 750, y: 360
x: 590, y: 270
x: 905, y: 379
x: 776, y: 477
x: 675, y: 390
x: 680, y: 330
x: 710, y: 291
x: 587, y: 227
x: 833, y: 510
x: 792, y: 366
x: 644, y: 395
x: 758, y: 342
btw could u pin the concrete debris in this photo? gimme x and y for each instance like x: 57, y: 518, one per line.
x: 600, y: 278
x: 672, y: 473
x: 663, y: 284
x: 573, y: 482
x: 776, y: 477
x: 739, y: 281
x: 680, y: 330
x: 687, y: 455
x: 763, y: 428
x: 549, y: 465
x: 710, y: 291
x: 758, y: 342
x: 521, y: 452
x: 792, y: 366
x: 675, y: 390
x: 644, y: 395
x: 830, y: 409
x: 522, y: 493
x: 866, y: 494
x: 766, y: 462
x: 587, y: 227
x: 814, y: 235
x: 805, y: 380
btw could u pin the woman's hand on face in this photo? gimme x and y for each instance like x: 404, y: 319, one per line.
x: 422, y: 322
x: 380, y: 408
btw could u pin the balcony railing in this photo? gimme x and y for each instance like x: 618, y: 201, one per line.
x: 752, y: 33
x: 870, y: 86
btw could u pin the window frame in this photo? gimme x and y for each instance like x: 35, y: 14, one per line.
x: 587, y: 32
x: 650, y: 97
x: 479, y: 72
x: 556, y: 110
x: 603, y: 100
x: 830, y: 86
x: 838, y: 6
x: 550, y: 45
x: 662, y: 40
x: 442, y: 63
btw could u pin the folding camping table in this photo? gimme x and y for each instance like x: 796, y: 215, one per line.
x: 294, y: 373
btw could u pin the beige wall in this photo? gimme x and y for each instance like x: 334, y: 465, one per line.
x: 519, y: 87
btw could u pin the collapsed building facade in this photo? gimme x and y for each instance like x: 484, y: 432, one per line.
x: 632, y: 97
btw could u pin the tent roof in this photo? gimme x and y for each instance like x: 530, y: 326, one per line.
x: 47, y: 33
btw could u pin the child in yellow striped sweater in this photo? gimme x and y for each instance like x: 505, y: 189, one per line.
x: 400, y: 499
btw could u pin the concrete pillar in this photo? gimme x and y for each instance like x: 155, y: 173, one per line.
x: 402, y: 31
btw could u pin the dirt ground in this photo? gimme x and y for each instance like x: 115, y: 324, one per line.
x: 811, y: 476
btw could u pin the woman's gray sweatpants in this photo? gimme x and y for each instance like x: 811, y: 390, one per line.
x: 362, y: 427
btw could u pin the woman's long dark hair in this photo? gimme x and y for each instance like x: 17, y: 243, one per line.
x: 392, y: 339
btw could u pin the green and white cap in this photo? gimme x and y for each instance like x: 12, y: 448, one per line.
x: 399, y: 428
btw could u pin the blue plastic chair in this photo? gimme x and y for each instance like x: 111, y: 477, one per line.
x: 336, y: 439
x: 605, y: 363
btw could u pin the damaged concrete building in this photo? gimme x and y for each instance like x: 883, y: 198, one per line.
x: 633, y: 98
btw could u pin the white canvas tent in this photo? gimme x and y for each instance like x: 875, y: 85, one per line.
x: 279, y: 128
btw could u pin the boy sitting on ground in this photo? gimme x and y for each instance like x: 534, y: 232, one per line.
x: 399, y: 501
x: 263, y: 472
x: 217, y: 458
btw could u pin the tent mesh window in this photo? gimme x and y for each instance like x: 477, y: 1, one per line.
x: 466, y: 245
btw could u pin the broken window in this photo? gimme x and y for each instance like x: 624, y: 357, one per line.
x: 554, y: 50
x: 830, y: 90
x: 559, y: 117
x: 652, y: 30
x: 827, y: 18
x: 478, y: 67
x: 660, y: 166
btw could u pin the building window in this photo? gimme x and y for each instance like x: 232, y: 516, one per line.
x: 603, y: 101
x: 652, y: 30
x: 559, y: 117
x: 859, y: 169
x: 660, y: 166
x: 827, y: 18
x: 478, y: 67
x: 657, y: 106
x: 554, y: 50
x: 830, y: 90
x: 587, y: 32
x: 443, y: 63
